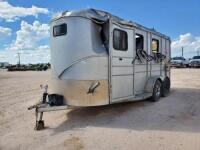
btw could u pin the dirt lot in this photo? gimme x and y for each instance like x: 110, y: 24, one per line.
x: 173, y: 123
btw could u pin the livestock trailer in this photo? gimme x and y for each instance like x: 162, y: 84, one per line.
x: 100, y: 59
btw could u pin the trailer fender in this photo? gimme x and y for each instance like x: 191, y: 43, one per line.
x: 151, y: 81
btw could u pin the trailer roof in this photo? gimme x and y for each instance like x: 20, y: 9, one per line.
x: 102, y: 16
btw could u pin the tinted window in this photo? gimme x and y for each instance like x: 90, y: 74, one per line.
x: 155, y: 46
x: 196, y: 57
x: 120, y: 40
x: 139, y: 39
x: 60, y: 30
x: 178, y: 58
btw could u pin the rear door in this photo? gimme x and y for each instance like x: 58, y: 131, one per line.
x: 121, y: 62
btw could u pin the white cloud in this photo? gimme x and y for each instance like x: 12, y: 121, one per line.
x: 31, y: 41
x: 31, y: 56
x: 11, y: 13
x: 40, y: 54
x: 190, y: 43
x: 29, y: 35
x: 5, y: 31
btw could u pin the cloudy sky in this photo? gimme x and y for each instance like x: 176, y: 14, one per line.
x: 24, y: 24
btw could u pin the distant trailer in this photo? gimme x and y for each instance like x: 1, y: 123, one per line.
x: 100, y: 59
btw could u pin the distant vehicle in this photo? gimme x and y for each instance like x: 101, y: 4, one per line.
x: 179, y: 62
x: 4, y: 65
x: 195, y: 61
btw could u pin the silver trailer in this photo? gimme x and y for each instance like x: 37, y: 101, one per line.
x: 100, y: 59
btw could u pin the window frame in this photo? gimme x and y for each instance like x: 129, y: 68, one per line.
x: 158, y: 45
x: 64, y: 33
x: 140, y: 35
x: 126, y: 35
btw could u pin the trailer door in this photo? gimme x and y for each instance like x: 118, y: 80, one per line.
x: 121, y: 63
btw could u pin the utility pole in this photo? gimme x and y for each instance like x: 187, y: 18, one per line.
x: 198, y: 52
x: 18, y: 58
x: 182, y: 51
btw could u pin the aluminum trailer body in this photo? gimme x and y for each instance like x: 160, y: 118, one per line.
x: 90, y: 53
x: 100, y: 59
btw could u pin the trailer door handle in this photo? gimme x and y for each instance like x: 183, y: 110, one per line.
x: 120, y: 59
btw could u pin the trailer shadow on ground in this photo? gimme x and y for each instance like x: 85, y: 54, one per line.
x: 177, y: 112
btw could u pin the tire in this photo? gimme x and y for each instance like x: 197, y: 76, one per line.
x: 156, y: 91
x: 165, y: 89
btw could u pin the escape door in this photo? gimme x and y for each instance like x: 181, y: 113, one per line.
x: 121, y: 62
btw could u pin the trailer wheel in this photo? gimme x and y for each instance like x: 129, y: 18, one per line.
x: 165, y: 87
x: 156, y: 91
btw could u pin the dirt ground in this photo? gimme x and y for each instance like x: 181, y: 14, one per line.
x: 173, y: 123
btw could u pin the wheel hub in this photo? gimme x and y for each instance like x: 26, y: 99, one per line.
x: 157, y: 90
